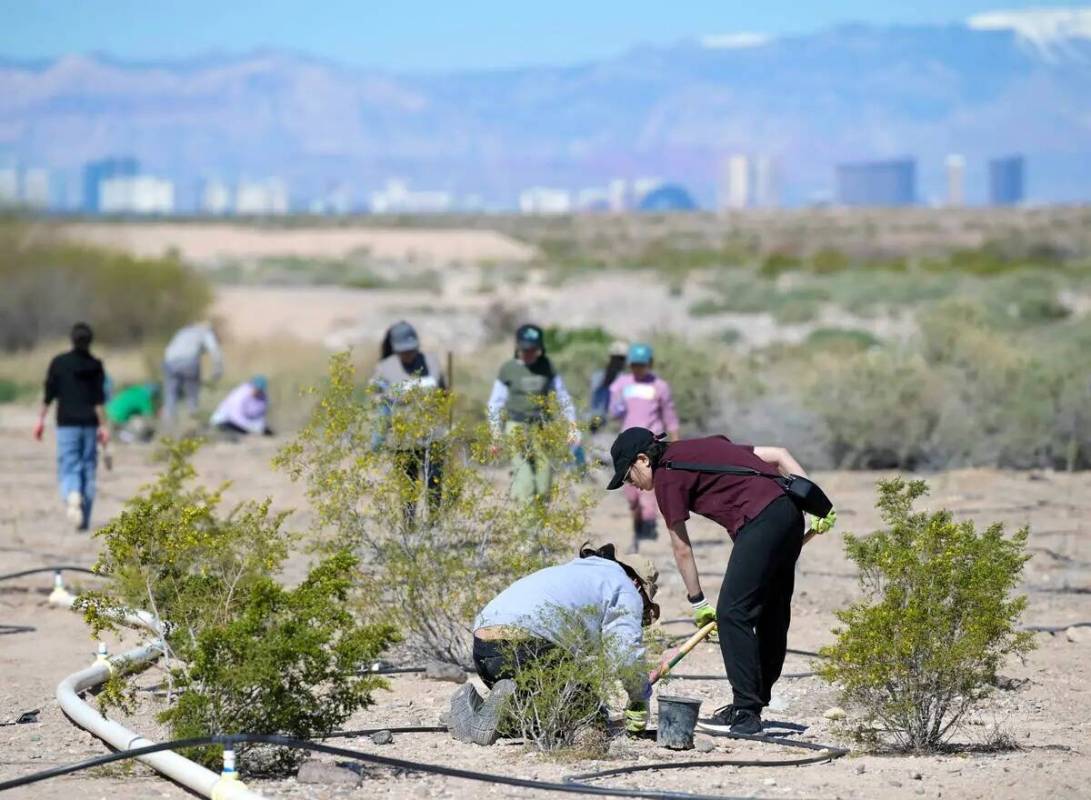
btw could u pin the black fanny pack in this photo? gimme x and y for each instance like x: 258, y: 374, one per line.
x: 806, y: 494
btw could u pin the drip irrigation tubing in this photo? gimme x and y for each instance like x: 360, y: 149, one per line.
x: 39, y: 570
x: 5, y: 629
x: 573, y: 784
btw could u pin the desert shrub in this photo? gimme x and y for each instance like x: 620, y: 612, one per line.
x: 777, y: 263
x: 1007, y: 402
x: 879, y: 408
x: 431, y: 559
x: 844, y: 340
x: 557, y: 339
x: 245, y: 654
x: 49, y: 284
x: 796, y: 310
x: 12, y: 390
x: 828, y: 260
x: 562, y: 693
x: 922, y: 647
x: 1027, y: 297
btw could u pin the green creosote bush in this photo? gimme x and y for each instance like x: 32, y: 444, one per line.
x: 244, y: 653
x: 430, y: 560
x: 922, y: 648
x: 566, y: 691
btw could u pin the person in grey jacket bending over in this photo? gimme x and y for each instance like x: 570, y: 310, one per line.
x: 182, y: 367
x: 612, y: 599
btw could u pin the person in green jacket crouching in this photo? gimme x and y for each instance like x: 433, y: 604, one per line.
x: 131, y: 412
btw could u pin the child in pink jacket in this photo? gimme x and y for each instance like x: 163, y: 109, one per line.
x: 641, y: 399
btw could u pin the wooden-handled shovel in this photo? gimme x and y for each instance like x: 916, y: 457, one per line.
x: 663, y: 669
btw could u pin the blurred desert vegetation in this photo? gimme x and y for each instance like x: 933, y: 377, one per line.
x: 916, y: 339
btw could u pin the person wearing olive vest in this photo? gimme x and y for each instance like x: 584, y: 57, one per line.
x: 519, y: 397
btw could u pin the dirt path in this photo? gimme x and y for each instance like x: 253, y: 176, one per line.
x: 1047, y: 716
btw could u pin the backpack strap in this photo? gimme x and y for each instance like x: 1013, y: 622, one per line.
x: 724, y: 469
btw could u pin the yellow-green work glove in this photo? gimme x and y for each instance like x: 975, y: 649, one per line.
x: 636, y: 718
x: 703, y: 613
x: 825, y: 524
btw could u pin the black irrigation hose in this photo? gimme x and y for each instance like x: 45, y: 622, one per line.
x: 38, y: 570
x: 572, y: 785
x: 6, y: 629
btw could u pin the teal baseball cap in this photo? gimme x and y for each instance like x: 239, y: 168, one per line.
x: 640, y: 353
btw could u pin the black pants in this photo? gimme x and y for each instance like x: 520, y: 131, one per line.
x: 755, y: 605
x: 231, y: 427
x: 496, y: 660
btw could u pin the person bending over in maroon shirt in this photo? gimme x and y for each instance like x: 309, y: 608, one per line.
x: 754, y: 607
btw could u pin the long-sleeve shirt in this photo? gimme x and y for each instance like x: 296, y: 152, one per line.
x: 643, y: 404
x: 498, y: 398
x: 133, y: 401
x: 76, y: 380
x: 187, y: 345
x: 594, y: 590
x: 243, y: 407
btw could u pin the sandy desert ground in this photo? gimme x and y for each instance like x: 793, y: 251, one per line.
x: 205, y: 243
x: 1044, y: 709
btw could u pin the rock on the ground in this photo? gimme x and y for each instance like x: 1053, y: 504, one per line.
x: 314, y: 771
x: 834, y: 713
x: 703, y: 744
x: 860, y: 769
x: 382, y: 737
x: 438, y: 671
x: 1078, y: 635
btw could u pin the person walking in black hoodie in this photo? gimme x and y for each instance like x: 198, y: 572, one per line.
x: 76, y: 380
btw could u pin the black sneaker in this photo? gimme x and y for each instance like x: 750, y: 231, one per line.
x: 747, y: 723
x: 720, y: 721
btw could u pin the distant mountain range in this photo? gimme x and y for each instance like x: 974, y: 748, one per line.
x: 1015, y: 83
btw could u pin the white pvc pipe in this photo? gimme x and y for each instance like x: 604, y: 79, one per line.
x: 189, y: 774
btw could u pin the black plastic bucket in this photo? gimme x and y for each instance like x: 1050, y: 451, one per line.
x: 677, y: 719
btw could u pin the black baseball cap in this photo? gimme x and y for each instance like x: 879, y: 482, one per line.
x: 530, y: 337
x: 630, y: 443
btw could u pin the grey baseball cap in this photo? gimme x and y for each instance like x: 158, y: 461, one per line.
x: 403, y: 337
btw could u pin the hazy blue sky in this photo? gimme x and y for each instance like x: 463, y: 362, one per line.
x: 430, y: 34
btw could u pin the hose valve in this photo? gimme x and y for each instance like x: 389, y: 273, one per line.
x: 59, y: 593
x: 229, y: 773
x: 102, y: 654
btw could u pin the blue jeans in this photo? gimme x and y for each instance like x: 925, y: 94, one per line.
x: 77, y: 458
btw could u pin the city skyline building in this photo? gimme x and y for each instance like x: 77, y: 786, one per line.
x: 215, y: 197
x: 734, y: 191
x: 96, y: 172
x: 956, y: 181
x: 137, y: 194
x: 9, y: 186
x: 890, y: 183
x: 36, y: 193
x: 397, y: 198
x: 545, y: 200
x: 269, y: 196
x: 766, y: 183
x: 1006, y: 180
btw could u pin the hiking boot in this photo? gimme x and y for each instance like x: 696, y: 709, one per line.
x: 720, y: 721
x: 486, y: 727
x: 74, y: 508
x: 464, y: 705
x: 747, y: 723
